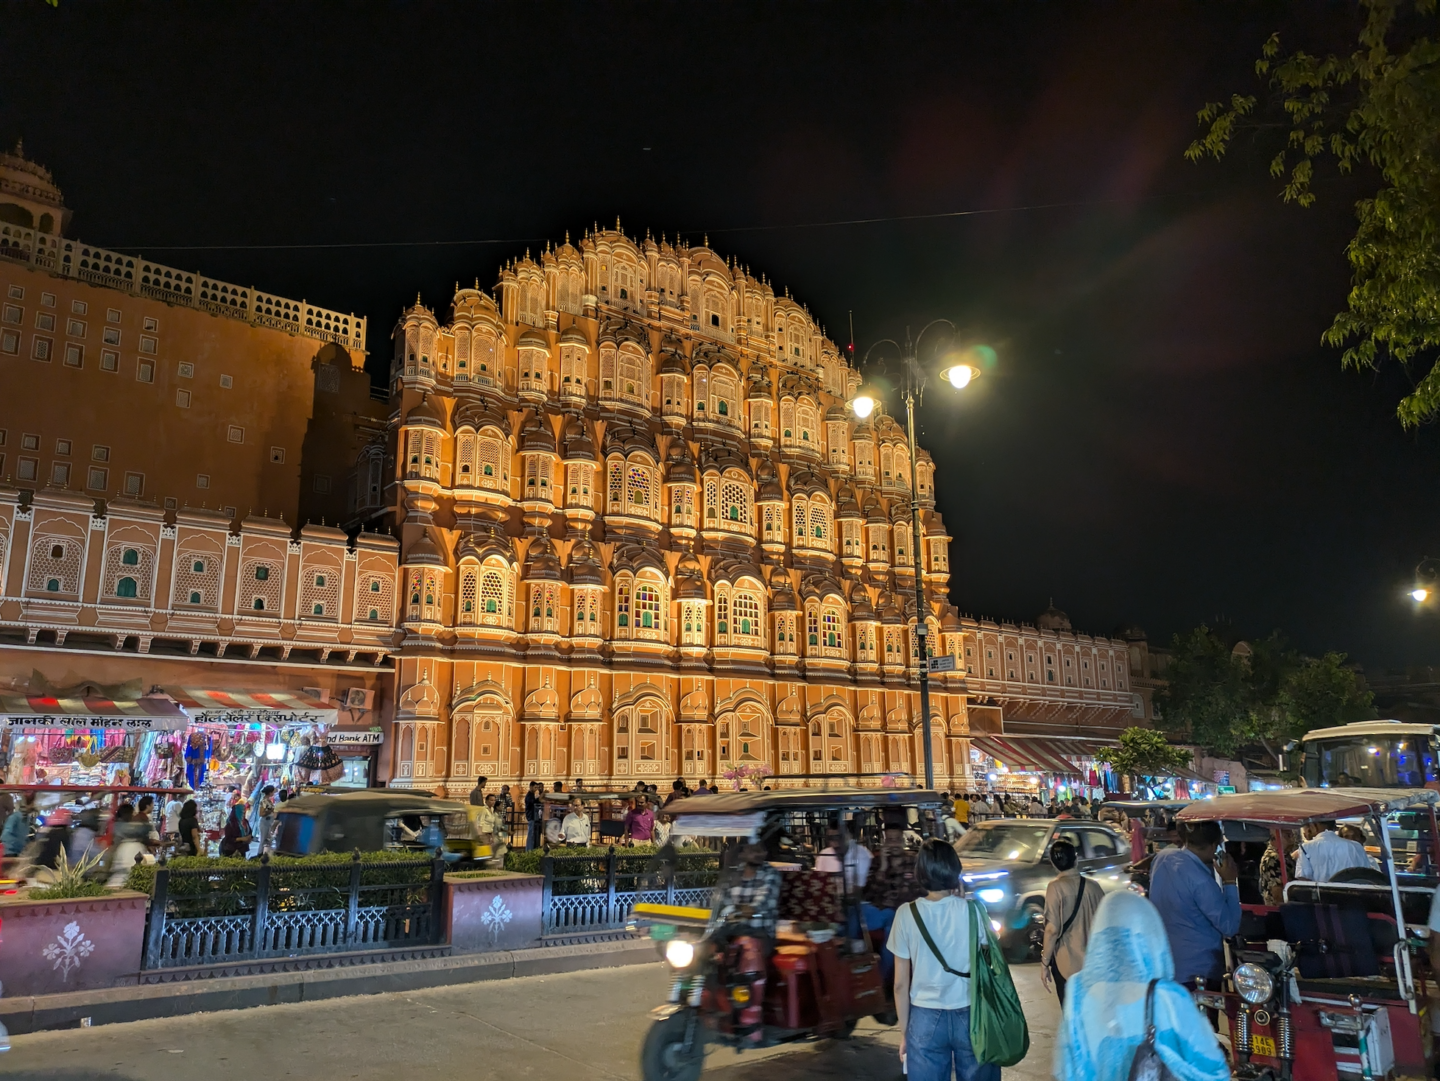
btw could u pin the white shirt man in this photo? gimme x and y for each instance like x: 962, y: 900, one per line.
x: 857, y: 862
x: 979, y: 807
x: 1326, y: 854
x: 575, y: 830
x: 172, y: 814
x: 953, y: 829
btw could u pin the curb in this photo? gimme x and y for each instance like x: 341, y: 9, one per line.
x: 115, y: 1005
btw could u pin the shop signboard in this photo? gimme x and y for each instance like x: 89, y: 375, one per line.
x: 944, y: 663
x: 128, y: 724
x: 353, y: 737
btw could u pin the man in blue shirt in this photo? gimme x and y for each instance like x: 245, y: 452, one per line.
x: 1198, y: 914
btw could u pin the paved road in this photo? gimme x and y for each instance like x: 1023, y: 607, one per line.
x: 545, y: 1028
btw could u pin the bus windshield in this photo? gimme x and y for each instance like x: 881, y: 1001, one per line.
x: 1398, y: 761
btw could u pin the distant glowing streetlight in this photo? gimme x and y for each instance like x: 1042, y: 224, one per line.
x: 1419, y: 596
x: 959, y: 368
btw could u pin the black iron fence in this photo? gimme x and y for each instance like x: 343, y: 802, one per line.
x: 585, y: 894
x: 210, y: 916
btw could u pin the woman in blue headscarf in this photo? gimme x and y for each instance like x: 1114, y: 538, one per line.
x: 1104, y: 1022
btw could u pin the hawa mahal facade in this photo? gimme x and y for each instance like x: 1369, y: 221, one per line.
x: 643, y: 538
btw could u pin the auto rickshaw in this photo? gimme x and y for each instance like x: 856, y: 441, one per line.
x: 1332, y: 982
x: 370, y: 820
x: 804, y: 951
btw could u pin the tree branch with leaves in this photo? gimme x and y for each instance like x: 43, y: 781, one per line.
x: 1378, y: 106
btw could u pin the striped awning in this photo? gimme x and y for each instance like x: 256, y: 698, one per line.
x: 144, y: 714
x: 248, y: 707
x: 1037, y: 753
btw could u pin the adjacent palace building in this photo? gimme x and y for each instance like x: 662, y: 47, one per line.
x: 611, y: 520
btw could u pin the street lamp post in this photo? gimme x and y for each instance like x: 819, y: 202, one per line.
x: 864, y: 402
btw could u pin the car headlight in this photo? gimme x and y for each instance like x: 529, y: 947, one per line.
x: 1254, y: 984
x: 994, y: 895
x: 679, y: 953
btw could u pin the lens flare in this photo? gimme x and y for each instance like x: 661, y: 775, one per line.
x: 863, y: 407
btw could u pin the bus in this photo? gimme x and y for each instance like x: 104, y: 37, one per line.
x: 1372, y: 754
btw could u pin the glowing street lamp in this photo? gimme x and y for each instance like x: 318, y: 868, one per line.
x: 958, y: 369
x: 1419, y: 596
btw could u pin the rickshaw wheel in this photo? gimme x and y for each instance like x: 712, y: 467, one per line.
x: 1027, y: 943
x: 663, y: 1056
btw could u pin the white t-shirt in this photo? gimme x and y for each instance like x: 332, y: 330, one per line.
x: 948, y: 921
x: 857, y: 864
x: 172, y: 816
x: 576, y: 829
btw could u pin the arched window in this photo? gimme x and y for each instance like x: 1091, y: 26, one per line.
x: 52, y: 585
x: 195, y: 597
x: 130, y: 557
x: 262, y: 574
x: 125, y: 587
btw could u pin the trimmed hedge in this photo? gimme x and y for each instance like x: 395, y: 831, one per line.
x: 312, y: 882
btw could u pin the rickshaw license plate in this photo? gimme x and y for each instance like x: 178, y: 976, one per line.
x: 1262, y: 1045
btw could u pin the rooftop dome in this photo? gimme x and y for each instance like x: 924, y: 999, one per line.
x: 1052, y: 619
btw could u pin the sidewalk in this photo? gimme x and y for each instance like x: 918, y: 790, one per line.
x: 139, y: 1002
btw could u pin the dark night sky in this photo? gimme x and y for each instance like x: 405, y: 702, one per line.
x: 1164, y: 440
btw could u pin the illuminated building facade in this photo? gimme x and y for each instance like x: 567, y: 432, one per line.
x: 642, y: 538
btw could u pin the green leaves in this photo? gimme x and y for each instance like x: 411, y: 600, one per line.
x: 1378, y: 106
x: 1143, y: 752
x: 1226, y: 695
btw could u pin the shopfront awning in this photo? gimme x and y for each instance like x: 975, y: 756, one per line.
x: 145, y: 714
x: 1038, y: 753
x: 252, y: 707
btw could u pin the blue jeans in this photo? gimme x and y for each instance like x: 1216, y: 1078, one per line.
x: 937, y: 1041
x: 878, y: 919
x: 532, y: 835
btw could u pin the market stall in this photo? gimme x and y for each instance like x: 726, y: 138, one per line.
x: 1049, y: 767
x: 89, y: 740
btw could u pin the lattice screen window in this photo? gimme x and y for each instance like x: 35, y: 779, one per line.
x: 492, y: 597
x: 577, y: 485
x: 807, y: 421
x: 533, y: 364
x: 319, y: 592
x: 722, y: 616
x: 746, y: 615
x: 852, y: 545
x: 258, y: 591
x: 465, y: 461
x: 491, y: 457
x: 832, y: 629
x: 374, y: 602
x: 128, y: 571
x: 634, y: 378
x: 537, y: 477
x: 735, y: 503
x: 469, y: 598
x: 430, y: 455
x: 638, y: 489
x: 774, y: 523
x: 683, y: 505
x: 197, y: 579
x: 787, y: 422
x: 902, y: 553
x: 692, y: 628
x: 802, y: 532
x: 616, y: 503
x: 820, y: 524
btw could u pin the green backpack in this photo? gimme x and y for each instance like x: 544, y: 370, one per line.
x: 998, y: 1032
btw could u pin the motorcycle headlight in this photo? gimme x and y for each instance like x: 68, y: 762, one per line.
x: 679, y: 953
x: 993, y: 896
x: 1254, y: 984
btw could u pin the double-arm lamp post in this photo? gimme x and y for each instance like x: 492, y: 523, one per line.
x: 958, y: 373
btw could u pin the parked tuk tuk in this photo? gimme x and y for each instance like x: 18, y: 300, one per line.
x: 1331, y: 982
x: 370, y: 820
x: 783, y: 953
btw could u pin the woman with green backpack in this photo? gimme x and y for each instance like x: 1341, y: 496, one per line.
x: 957, y: 1007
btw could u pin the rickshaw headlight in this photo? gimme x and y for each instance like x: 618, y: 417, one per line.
x: 679, y: 953
x: 1254, y: 984
x: 992, y: 896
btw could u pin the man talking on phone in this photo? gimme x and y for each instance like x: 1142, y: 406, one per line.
x: 1198, y: 912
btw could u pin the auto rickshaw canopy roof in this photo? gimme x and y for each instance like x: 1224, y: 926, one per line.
x: 382, y: 802
x: 804, y: 799
x: 1298, y: 806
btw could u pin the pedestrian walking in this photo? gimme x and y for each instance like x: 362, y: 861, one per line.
x: 1128, y: 984
x: 1070, y: 903
x: 930, y: 940
x: 1198, y: 913
x: 534, y: 815
x: 265, y: 814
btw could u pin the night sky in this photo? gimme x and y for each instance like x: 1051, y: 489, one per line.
x: 1164, y: 440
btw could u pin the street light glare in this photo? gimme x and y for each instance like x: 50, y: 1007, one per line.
x: 960, y: 376
x: 863, y: 406
x: 1419, y: 596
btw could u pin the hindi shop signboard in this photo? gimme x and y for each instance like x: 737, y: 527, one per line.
x: 129, y: 724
